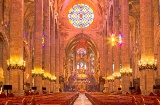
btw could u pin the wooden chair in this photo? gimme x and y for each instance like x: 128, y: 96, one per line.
x: 142, y: 101
x: 33, y: 101
x: 134, y: 101
x: 156, y: 102
x: 9, y: 102
x: 24, y: 102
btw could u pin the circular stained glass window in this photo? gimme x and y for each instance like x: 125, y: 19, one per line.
x: 81, y: 15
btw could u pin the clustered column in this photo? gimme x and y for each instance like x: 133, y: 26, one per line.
x: 116, y: 73
x: 125, y: 46
x: 147, y: 46
x: 57, y: 61
x: 38, y: 32
x: 52, y: 46
x: 1, y: 12
x: 46, y: 46
x: 16, y: 45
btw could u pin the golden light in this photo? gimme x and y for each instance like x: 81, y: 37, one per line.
x: 117, y: 75
x: 53, y: 78
x: 110, y: 78
x: 113, y: 40
x: 37, y: 71
x: 126, y: 71
x: 147, y: 63
x: 16, y: 63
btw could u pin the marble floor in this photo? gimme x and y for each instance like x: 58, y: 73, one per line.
x: 82, y: 100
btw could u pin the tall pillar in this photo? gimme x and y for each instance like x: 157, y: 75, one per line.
x: 1, y: 14
x: 52, y: 46
x: 57, y: 61
x: 110, y: 71
x: 16, y: 45
x: 147, y: 46
x: 116, y: 47
x: 46, y: 46
x: 38, y: 32
x: 125, y: 46
x: 110, y: 54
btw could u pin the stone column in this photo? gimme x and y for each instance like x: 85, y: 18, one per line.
x: 52, y: 46
x: 38, y: 32
x: 117, y: 46
x: 16, y: 45
x: 147, y: 45
x: 46, y: 46
x: 1, y: 14
x: 110, y: 72
x: 57, y: 61
x: 125, y: 46
x: 158, y: 59
x: 2, y: 70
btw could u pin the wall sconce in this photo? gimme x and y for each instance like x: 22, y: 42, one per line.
x: 16, y: 65
x: 110, y: 79
x: 147, y: 64
x: 38, y: 72
x: 126, y: 72
x: 117, y: 75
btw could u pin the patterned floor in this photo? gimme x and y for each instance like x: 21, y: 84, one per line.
x: 82, y: 100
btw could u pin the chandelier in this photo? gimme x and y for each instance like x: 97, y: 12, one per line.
x: 16, y: 64
x: 110, y: 78
x: 147, y: 64
x: 38, y: 72
x: 117, y: 75
x: 126, y: 72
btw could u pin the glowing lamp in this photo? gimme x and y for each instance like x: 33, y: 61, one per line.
x: 126, y: 72
x: 16, y: 64
x: 147, y: 64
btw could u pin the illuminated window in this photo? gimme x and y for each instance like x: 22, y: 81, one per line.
x: 81, y: 15
x: 81, y: 51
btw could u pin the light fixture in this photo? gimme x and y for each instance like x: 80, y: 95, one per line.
x: 117, y: 75
x: 113, y: 39
x: 47, y: 76
x: 37, y: 72
x: 110, y: 78
x: 147, y: 64
x: 126, y: 72
x: 53, y: 78
x: 16, y: 64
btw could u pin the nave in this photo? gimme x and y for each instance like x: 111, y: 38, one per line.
x: 88, y: 98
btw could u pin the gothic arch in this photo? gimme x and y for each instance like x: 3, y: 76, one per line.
x: 72, y: 43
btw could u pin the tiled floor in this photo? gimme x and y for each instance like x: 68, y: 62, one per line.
x: 82, y: 100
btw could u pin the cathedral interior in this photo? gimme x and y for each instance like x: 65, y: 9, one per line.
x: 53, y: 46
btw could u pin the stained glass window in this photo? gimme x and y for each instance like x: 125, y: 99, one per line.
x: 81, y: 51
x: 81, y: 15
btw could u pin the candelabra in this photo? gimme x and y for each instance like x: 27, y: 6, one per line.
x: 117, y: 75
x: 126, y: 72
x: 37, y: 72
x: 47, y: 76
x: 16, y: 65
x: 53, y: 78
x: 147, y: 64
x: 110, y: 79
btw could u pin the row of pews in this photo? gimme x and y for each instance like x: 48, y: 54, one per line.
x: 45, y: 99
x: 98, y: 98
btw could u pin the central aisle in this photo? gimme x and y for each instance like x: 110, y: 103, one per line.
x: 82, y: 100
